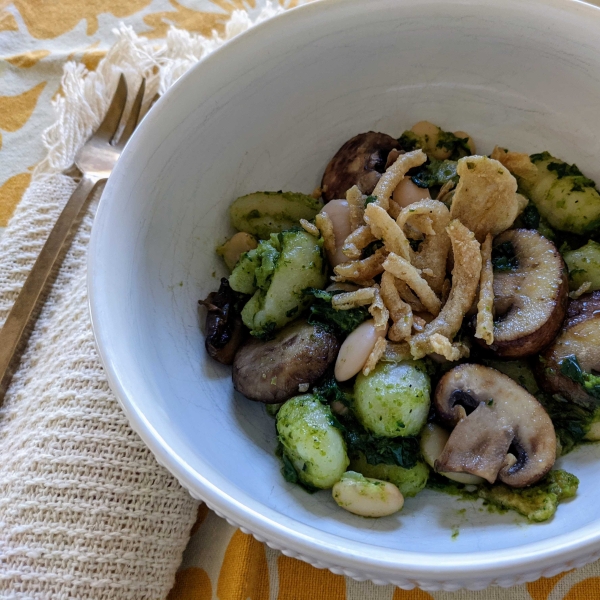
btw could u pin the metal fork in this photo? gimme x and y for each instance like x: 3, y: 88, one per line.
x: 94, y: 163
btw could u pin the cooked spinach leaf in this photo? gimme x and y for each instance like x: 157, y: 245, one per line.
x: 571, y: 368
x: 372, y: 248
x: 563, y: 169
x: 435, y: 172
x: 571, y: 421
x: 403, y: 452
x: 457, y: 146
x: 540, y: 156
x: 329, y: 389
x: 504, y: 257
x: 531, y: 217
x: 340, y: 322
x: 287, y: 470
x: 409, y: 141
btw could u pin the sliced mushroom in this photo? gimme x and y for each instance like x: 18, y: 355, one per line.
x: 276, y: 370
x: 433, y: 441
x: 500, y: 430
x: 224, y: 327
x: 360, y: 161
x: 580, y: 337
x: 530, y: 297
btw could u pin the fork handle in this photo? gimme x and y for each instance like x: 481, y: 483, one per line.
x: 22, y: 316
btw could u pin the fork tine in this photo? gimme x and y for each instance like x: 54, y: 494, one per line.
x: 154, y: 100
x: 134, y: 115
x: 110, y: 123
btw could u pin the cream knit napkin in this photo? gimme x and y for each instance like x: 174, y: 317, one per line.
x: 85, y: 510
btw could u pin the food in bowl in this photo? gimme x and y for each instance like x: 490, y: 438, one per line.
x: 413, y: 322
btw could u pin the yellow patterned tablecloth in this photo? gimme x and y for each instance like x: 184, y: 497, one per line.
x: 36, y: 38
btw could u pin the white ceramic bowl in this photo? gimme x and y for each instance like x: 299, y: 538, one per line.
x: 267, y: 112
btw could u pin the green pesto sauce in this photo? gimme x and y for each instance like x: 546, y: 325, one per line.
x: 537, y: 503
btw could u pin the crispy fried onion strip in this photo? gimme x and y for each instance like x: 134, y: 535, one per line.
x: 443, y: 346
x: 433, y: 251
x: 394, y: 174
x: 485, y: 313
x: 419, y: 323
x: 518, y: 163
x: 375, y: 356
x: 394, y: 210
x: 465, y: 278
x: 485, y: 199
x: 385, y: 228
x: 582, y: 289
x: 362, y: 297
x: 400, y: 312
x: 356, y: 204
x: 379, y: 312
x: 354, y: 299
x: 445, y: 191
x: 422, y: 224
x: 404, y: 271
x: 359, y: 239
x: 396, y: 352
x: 361, y: 271
x: 325, y: 226
x: 310, y: 227
x: 409, y: 297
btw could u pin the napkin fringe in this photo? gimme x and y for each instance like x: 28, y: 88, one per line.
x: 85, y: 95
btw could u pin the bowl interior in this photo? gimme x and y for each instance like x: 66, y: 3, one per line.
x: 266, y: 113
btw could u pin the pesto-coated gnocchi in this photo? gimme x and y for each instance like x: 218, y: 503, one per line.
x: 277, y: 273
x: 584, y: 266
x: 264, y: 213
x: 567, y: 199
x: 393, y: 400
x: 311, y: 441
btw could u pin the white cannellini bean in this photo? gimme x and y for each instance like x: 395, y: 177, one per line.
x: 367, y: 497
x: 339, y: 213
x: 233, y: 248
x: 356, y: 349
x: 433, y: 440
x: 407, y: 192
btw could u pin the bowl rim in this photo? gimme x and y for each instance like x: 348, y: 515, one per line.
x: 364, y: 561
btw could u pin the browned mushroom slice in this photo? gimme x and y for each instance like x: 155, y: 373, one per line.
x: 530, y: 293
x: 500, y: 430
x: 224, y: 328
x: 579, y: 338
x: 360, y: 161
x: 286, y: 366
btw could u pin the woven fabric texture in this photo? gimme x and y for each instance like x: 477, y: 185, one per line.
x: 85, y: 510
